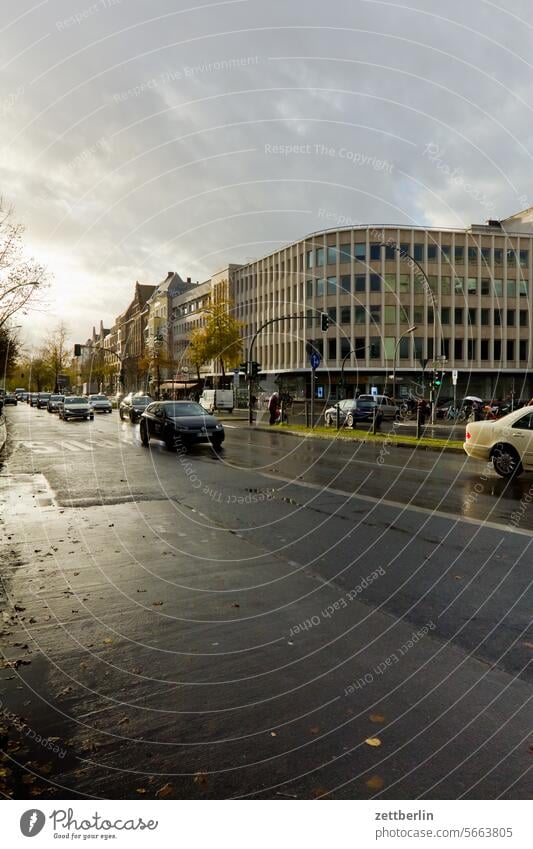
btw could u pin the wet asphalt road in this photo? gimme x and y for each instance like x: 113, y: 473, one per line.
x: 241, y: 625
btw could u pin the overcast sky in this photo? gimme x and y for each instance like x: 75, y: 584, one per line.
x: 144, y: 136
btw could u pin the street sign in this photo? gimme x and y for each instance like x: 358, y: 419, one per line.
x: 454, y: 376
x: 314, y: 360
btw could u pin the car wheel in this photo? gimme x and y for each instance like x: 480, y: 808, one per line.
x: 91, y: 418
x: 170, y: 442
x: 145, y: 439
x: 350, y: 420
x: 216, y: 442
x: 506, y: 461
x: 133, y: 417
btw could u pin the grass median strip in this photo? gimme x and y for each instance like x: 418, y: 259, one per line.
x: 391, y: 438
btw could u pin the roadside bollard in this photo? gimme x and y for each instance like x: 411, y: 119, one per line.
x: 374, y: 420
x: 418, y: 423
x: 338, y: 416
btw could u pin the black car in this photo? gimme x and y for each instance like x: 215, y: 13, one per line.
x: 54, y: 402
x: 133, y: 406
x: 180, y: 424
x: 43, y: 399
x: 351, y: 410
x: 10, y: 398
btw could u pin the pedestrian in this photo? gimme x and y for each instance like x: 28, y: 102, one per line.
x: 273, y: 408
x: 476, y: 409
x: 422, y: 411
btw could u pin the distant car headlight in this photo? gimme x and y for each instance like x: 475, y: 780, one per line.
x: 219, y: 427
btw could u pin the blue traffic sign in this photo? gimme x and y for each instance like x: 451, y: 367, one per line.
x: 314, y: 359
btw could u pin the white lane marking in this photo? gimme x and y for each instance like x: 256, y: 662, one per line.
x: 402, y: 506
x: 72, y: 445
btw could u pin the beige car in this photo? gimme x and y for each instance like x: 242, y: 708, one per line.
x: 507, y: 442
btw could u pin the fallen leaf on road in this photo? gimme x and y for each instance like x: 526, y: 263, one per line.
x: 317, y: 792
x: 373, y: 741
x: 273, y: 734
x: 157, y: 603
x: 18, y: 608
x: 375, y: 783
x: 65, y: 692
x: 140, y: 790
x: 166, y: 790
x: 108, y: 640
x: 200, y: 778
x: 377, y: 717
x: 528, y: 645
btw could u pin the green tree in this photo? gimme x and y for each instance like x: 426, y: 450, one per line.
x: 9, y: 352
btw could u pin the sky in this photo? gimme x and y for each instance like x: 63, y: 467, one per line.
x: 140, y: 137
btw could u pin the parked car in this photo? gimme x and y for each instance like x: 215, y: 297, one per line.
x: 10, y: 398
x: 507, y: 442
x: 386, y: 405
x: 217, y: 399
x: 33, y: 399
x: 43, y: 399
x: 75, y: 407
x: 100, y: 403
x: 351, y: 411
x: 180, y: 423
x: 133, y: 406
x: 19, y: 393
x: 53, y: 403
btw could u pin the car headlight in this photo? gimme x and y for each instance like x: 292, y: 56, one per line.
x: 218, y: 427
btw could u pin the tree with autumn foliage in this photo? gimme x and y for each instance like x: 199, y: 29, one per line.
x: 22, y: 278
x: 219, y: 340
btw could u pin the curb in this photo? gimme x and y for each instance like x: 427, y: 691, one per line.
x: 395, y: 443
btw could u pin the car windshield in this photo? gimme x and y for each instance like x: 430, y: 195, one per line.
x: 185, y: 408
x: 97, y: 398
x: 56, y: 397
x: 141, y: 399
x: 76, y: 399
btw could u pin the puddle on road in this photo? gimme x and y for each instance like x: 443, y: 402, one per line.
x: 22, y: 494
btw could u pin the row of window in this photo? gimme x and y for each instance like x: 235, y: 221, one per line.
x: 471, y: 349
x: 421, y: 316
x: 318, y: 257
x: 390, y: 283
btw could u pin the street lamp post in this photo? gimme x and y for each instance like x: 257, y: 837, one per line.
x: 403, y: 335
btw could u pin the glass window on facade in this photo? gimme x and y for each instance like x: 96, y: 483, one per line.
x: 419, y: 347
x: 332, y: 349
x: 405, y: 249
x: 360, y: 250
x: 458, y: 349
x: 389, y: 347
x: 332, y: 285
x: 405, y: 282
x: 418, y: 315
x: 375, y: 313
x: 459, y: 254
x: 431, y: 315
x: 472, y: 255
x: 404, y: 314
x: 418, y: 253
x: 320, y: 288
x: 511, y: 259
x: 484, y: 349
x: 360, y: 315
x: 309, y: 289
x: 434, y: 283
x: 458, y: 283
x: 446, y: 251
x: 498, y: 256
x: 472, y: 316
x: 511, y: 288
x: 375, y: 252
x: 497, y: 349
x: 420, y: 285
x: 485, y: 256
x: 471, y: 350
x: 375, y: 348
x: 510, y: 318
x: 360, y: 348
x: 360, y: 281
x: 485, y: 286
x: 446, y: 285
x: 497, y: 318
x: 345, y: 347
x: 346, y: 283
x: 497, y: 285
x: 523, y: 349
x: 485, y: 316
x: 523, y: 288
x: 332, y: 312
x: 390, y: 283
x: 404, y: 348
x: 310, y: 318
x: 432, y: 253
x: 445, y: 315
x: 390, y: 314
x: 510, y: 349
x: 319, y: 260
x: 524, y: 322
x: 309, y: 259
x: 472, y: 285
x: 524, y: 261
x: 390, y: 252
x: 331, y: 256
x: 375, y: 283
x: 345, y: 253
x: 345, y: 315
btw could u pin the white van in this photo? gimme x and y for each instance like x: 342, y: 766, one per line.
x: 217, y: 399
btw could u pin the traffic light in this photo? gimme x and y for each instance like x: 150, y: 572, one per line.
x: 243, y: 368
x: 437, y: 379
x: 324, y: 321
x: 256, y: 368
x: 77, y: 350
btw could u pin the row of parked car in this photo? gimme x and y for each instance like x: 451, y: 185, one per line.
x: 70, y: 406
